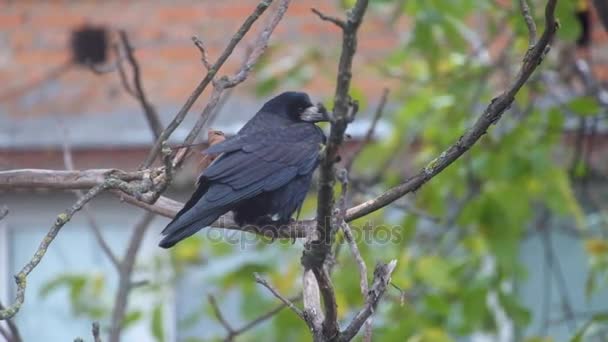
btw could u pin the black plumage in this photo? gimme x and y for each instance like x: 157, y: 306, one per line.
x: 262, y: 173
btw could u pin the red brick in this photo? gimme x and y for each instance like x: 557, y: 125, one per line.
x: 182, y: 14
x: 227, y: 10
x: 10, y: 21
x: 319, y: 28
x: 57, y: 20
x: 46, y: 58
x: 303, y: 8
x: 179, y: 53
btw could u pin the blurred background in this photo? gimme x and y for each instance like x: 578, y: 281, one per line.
x: 510, y: 243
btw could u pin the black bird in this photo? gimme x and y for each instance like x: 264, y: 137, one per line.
x: 262, y: 173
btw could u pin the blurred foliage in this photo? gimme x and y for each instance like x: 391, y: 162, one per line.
x: 459, y: 262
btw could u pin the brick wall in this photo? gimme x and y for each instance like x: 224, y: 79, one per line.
x: 34, y: 36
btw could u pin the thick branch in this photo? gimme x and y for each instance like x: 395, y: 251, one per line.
x: 61, y: 180
x: 317, y: 251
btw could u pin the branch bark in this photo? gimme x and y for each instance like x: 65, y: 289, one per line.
x: 317, y: 250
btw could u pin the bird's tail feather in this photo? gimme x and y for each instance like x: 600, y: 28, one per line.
x: 177, y: 231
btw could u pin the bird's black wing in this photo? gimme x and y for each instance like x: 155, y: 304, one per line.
x: 249, y: 164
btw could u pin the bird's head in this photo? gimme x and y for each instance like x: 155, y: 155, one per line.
x: 297, y: 107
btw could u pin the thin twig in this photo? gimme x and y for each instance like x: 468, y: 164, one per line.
x: 62, y: 219
x: 220, y: 317
x: 95, y: 331
x: 363, y: 283
x: 338, y: 22
x: 265, y: 316
x: 228, y: 82
x: 3, y: 211
x: 382, y: 277
x: 151, y: 115
x: 490, y: 116
x: 276, y: 293
x: 201, y: 47
x: 529, y: 19
x: 124, y: 276
x: 179, y: 117
x: 105, y: 247
x: 370, y: 131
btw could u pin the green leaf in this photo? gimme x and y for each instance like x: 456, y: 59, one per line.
x: 584, y: 106
x: 599, y: 318
x: 157, y: 323
x: 131, y: 318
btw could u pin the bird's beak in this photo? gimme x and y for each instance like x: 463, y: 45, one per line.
x: 315, y: 114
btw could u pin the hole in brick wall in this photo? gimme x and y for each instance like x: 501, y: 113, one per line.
x: 89, y: 45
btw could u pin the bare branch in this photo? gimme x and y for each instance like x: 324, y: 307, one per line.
x: 95, y: 332
x: 489, y: 117
x: 382, y: 277
x: 139, y: 94
x: 338, y: 22
x: 265, y: 316
x: 69, y: 165
x: 276, y: 293
x: 121, y: 71
x: 228, y: 82
x: 316, y: 252
x: 220, y: 317
x: 60, y: 179
x: 525, y: 12
x: 3, y: 212
x: 62, y: 219
x: 124, y: 276
x: 311, y: 298
x: 370, y: 132
x: 13, y: 331
x: 363, y: 283
x: 179, y: 117
x: 201, y: 47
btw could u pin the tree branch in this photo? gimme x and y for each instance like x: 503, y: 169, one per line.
x: 363, y: 283
x: 227, y: 82
x: 382, y: 277
x: 529, y: 19
x: 316, y: 251
x: 139, y: 94
x: 124, y: 276
x: 276, y: 293
x: 62, y: 219
x: 95, y: 332
x: 370, y: 131
x: 3, y: 212
x: 13, y: 334
x: 489, y: 117
x: 179, y: 117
